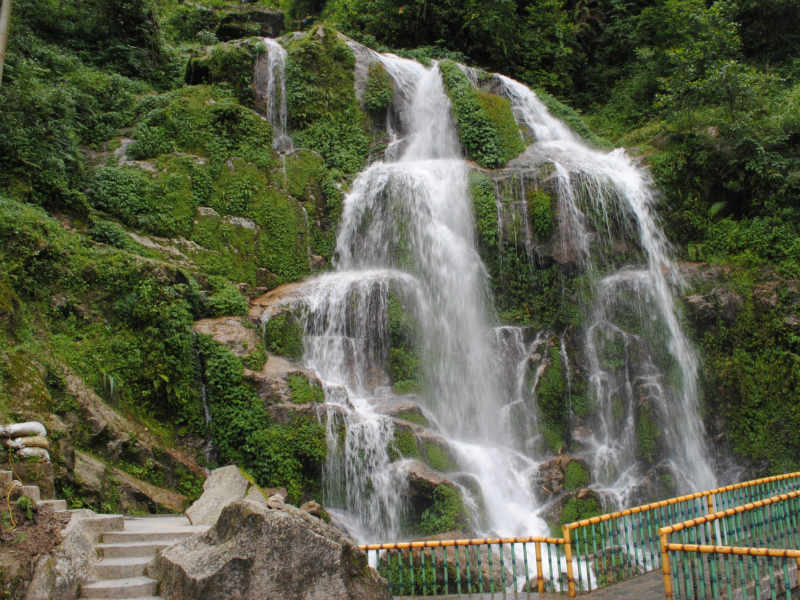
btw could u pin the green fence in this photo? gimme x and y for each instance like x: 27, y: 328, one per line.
x: 440, y: 567
x: 593, y: 552
x: 748, y: 551
x: 617, y: 546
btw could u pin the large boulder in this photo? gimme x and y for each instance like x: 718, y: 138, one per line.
x: 223, y: 487
x: 255, y: 552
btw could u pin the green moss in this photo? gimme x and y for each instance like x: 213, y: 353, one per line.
x: 404, y: 445
x: 413, y: 416
x: 647, y: 435
x: 540, y: 212
x: 485, y: 209
x: 284, y: 335
x: 380, y: 90
x: 551, y: 397
x: 580, y: 508
x: 485, y: 123
x: 406, y: 386
x: 502, y: 118
x: 304, y: 391
x: 447, y: 513
x: 438, y: 458
x: 202, y: 120
x: 576, y: 476
x: 304, y: 173
x: 276, y: 455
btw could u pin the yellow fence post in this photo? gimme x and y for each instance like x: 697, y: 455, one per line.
x: 568, y: 558
x: 539, y: 570
x: 665, y: 567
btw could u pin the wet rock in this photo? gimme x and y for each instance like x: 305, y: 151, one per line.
x: 255, y: 552
x: 274, y: 301
x: 720, y: 302
x: 551, y: 478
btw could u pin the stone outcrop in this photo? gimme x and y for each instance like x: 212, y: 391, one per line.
x: 223, y: 487
x: 256, y: 552
x: 231, y: 332
x: 96, y: 480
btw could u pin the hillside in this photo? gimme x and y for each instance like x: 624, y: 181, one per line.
x: 163, y: 206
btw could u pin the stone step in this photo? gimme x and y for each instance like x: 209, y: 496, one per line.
x: 121, y: 568
x: 131, y: 549
x: 56, y: 505
x: 172, y: 535
x: 131, y: 587
x: 102, y: 524
x: 6, y: 477
x: 136, y: 598
x: 32, y: 492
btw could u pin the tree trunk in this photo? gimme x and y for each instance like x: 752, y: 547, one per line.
x: 5, y: 17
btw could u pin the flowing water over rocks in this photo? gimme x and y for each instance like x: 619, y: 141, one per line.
x: 406, y: 245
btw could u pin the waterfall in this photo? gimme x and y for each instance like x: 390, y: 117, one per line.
x: 269, y: 80
x: 407, y: 236
x: 609, y: 191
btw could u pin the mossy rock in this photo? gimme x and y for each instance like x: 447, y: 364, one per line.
x: 485, y: 122
x: 404, y: 444
x: 252, y: 21
x: 324, y: 114
x: 437, y: 455
x: 576, y: 476
x: 647, y: 435
x: 231, y: 63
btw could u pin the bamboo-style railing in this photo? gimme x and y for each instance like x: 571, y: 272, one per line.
x: 592, y: 553
x: 749, y: 551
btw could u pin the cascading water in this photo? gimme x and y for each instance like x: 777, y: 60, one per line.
x: 632, y: 310
x: 269, y: 80
x: 407, y: 233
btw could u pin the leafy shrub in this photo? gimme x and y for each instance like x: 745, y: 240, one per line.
x: 323, y: 110
x: 284, y: 335
x: 226, y: 299
x: 108, y: 232
x: 305, y: 391
x: 540, y: 212
x: 576, y: 476
x: 380, y: 90
x: 447, y: 513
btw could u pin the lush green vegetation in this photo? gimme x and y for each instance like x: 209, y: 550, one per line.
x: 485, y: 122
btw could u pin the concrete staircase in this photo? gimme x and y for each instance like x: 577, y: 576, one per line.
x: 126, y: 552
x: 32, y: 491
x: 126, y: 547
